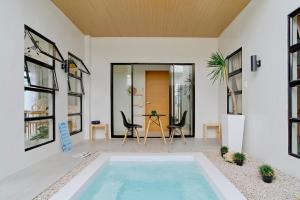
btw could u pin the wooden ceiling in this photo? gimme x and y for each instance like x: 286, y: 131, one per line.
x: 151, y: 18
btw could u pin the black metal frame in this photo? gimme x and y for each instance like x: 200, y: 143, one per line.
x: 85, y: 70
x: 41, y: 89
x: 30, y: 31
x: 77, y: 114
x: 132, y: 85
x: 52, y: 117
x: 28, y: 59
x: 232, y: 74
x: 75, y: 94
x: 291, y: 83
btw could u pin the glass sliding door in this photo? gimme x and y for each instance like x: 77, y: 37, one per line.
x: 182, y: 96
x: 138, y: 89
x: 122, y: 98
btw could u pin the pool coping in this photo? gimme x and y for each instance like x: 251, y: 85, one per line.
x: 222, y: 184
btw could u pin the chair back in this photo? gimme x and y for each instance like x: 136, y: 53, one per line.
x: 126, y: 124
x: 182, y: 121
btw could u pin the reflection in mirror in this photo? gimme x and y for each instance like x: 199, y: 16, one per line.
x: 182, y: 95
x: 37, y: 104
x: 74, y: 104
x: 38, y: 132
x: 74, y: 123
x: 235, y: 62
x: 296, y: 138
x: 122, y: 96
x: 295, y: 31
x: 37, y: 45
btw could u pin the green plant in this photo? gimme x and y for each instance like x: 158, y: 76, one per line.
x: 239, y: 158
x: 266, y: 170
x: 223, y: 150
x: 43, y: 133
x: 220, y: 72
x: 153, y: 112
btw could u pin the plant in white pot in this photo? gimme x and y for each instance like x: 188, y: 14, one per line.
x: 232, y: 124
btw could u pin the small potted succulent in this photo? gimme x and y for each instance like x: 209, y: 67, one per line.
x: 267, y: 173
x: 239, y: 158
x: 223, y: 150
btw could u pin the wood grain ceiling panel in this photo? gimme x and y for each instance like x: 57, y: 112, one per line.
x: 151, y: 18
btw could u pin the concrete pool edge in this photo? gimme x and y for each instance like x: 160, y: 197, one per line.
x: 223, y: 186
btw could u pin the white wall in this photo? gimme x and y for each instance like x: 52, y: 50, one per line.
x: 153, y: 50
x: 261, y: 29
x: 47, y: 19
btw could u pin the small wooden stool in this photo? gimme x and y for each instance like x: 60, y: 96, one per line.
x: 215, y: 125
x: 92, y: 133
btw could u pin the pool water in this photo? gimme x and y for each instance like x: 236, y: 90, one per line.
x: 148, y: 181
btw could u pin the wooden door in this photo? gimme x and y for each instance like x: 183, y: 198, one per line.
x: 157, y: 98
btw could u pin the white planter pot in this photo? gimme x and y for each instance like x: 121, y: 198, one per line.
x: 233, y: 132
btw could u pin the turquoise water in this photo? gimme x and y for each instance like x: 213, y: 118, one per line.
x: 148, y: 181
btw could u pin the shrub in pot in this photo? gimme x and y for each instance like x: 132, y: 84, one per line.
x: 267, y: 173
x: 223, y: 150
x: 239, y: 158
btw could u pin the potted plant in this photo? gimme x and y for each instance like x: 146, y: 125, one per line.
x: 232, y: 124
x: 239, y: 158
x: 267, y: 173
x: 153, y: 112
x: 223, y: 150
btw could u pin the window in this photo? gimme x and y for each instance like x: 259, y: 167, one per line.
x: 40, y: 84
x: 294, y: 82
x: 235, y: 80
x: 41, y: 45
x: 75, y: 68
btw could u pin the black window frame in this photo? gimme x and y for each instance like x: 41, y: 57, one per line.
x: 30, y: 31
x: 83, y: 69
x: 41, y: 64
x: 52, y: 117
x: 76, y: 94
x: 292, y: 48
x: 233, y: 73
x: 41, y: 89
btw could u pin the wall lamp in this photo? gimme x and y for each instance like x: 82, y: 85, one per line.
x: 255, y: 63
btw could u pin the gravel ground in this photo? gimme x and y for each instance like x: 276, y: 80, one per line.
x: 247, y: 179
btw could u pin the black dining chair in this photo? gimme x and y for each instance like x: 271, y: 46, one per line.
x: 130, y: 127
x: 178, y: 127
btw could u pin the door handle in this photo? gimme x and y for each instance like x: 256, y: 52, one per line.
x: 148, y: 102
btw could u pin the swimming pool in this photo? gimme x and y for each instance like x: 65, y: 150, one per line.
x: 149, y: 176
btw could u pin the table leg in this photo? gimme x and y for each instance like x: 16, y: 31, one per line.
x: 162, y: 131
x: 204, y: 132
x: 219, y: 132
x: 147, y: 130
x: 106, y: 133
x: 90, y: 133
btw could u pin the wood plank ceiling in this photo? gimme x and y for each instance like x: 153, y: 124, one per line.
x: 151, y: 18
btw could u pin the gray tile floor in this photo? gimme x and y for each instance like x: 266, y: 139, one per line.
x: 28, y: 183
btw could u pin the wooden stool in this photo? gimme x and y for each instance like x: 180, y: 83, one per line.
x: 92, y: 134
x: 215, y: 125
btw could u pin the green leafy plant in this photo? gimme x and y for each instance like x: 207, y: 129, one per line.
x: 43, y: 133
x: 266, y: 170
x: 153, y: 112
x: 239, y: 158
x: 220, y: 72
x: 223, y: 150
x: 267, y: 173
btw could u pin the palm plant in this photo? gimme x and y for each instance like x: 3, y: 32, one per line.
x: 220, y: 72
